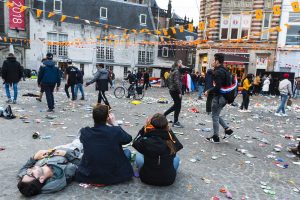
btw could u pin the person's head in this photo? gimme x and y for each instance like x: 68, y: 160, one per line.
x: 49, y: 56
x: 178, y: 63
x: 159, y: 121
x: 32, y: 182
x: 202, y: 74
x: 286, y: 76
x: 10, y: 55
x: 100, y: 114
x: 69, y: 62
x: 100, y: 66
x: 197, y: 73
x: 219, y: 59
x: 128, y: 72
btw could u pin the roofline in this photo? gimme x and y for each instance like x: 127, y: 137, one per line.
x: 126, y: 2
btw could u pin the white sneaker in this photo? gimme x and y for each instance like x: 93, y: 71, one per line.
x: 278, y: 114
x: 242, y: 111
x: 284, y: 115
x: 248, y: 111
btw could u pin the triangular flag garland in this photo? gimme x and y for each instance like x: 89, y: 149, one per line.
x: 51, y: 14
x: 201, y: 26
x: 295, y: 6
x: 173, y: 30
x: 23, y: 8
x: 39, y: 13
x: 63, y: 18
x: 276, y: 10
x: 259, y: 14
x: 191, y: 27
x: 181, y: 29
x: 10, y: 4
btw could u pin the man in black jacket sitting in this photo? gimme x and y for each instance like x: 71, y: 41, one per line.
x: 104, y: 161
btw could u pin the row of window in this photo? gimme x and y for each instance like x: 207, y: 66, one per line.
x: 57, y: 8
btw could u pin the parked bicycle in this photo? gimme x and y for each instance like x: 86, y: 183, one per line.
x: 137, y: 91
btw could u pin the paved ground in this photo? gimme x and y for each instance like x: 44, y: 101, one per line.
x: 239, y: 173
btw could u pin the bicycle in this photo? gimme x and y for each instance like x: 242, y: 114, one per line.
x: 137, y: 91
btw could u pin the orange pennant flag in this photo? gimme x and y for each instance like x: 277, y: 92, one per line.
x: 39, y: 12
x: 278, y: 28
x: 96, y: 22
x: 23, y: 8
x: 76, y: 17
x: 212, y: 23
x: 63, y: 17
x: 173, y: 30
x: 161, y: 39
x: 276, y: 10
x: 165, y: 31
x: 295, y: 6
x: 201, y: 26
x: 181, y: 29
x: 9, y: 4
x: 157, y: 32
x: 191, y: 27
x: 259, y: 14
x: 51, y: 14
x: 5, y: 39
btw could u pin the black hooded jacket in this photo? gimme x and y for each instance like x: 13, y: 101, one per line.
x: 12, y: 71
x: 158, y: 166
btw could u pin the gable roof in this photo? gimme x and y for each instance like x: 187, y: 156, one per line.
x: 120, y: 14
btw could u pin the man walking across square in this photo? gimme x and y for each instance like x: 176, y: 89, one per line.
x: 12, y: 73
x: 49, y: 77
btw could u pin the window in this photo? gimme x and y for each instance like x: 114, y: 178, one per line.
x: 293, y: 35
x: 110, y: 68
x: 294, y: 17
x: 57, y: 49
x: 165, y: 52
x: 57, y: 7
x: 190, y: 58
x: 105, y: 50
x: 146, y: 54
x: 268, y: 4
x: 125, y: 71
x: 235, y: 27
x: 266, y: 26
x: 143, y: 19
x: 103, y: 13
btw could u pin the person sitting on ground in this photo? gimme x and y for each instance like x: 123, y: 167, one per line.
x: 157, y: 146
x: 50, y: 170
x: 104, y: 161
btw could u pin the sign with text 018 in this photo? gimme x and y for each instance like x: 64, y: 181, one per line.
x: 17, y: 18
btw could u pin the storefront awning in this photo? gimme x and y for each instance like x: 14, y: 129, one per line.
x: 236, y: 59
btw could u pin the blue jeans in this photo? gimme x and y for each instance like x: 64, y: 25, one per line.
x: 139, y: 161
x: 127, y: 153
x: 201, y: 89
x: 15, y: 87
x: 79, y: 86
x: 284, y: 98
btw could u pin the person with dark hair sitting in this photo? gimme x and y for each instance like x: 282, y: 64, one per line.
x: 50, y: 170
x: 104, y: 161
x: 157, y: 146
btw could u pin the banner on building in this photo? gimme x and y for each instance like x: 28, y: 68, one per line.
x: 16, y: 17
x: 262, y: 62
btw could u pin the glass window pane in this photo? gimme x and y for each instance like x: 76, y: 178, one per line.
x: 267, y: 20
x: 234, y: 33
x: 224, y: 34
x: 245, y: 33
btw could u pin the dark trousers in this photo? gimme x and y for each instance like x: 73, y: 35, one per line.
x: 49, y: 95
x: 130, y: 92
x: 246, y: 100
x: 101, y: 96
x: 209, y: 102
x: 147, y: 84
x: 176, y: 106
x: 67, y: 86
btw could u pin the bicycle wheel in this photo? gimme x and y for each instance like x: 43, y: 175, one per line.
x: 119, y: 92
x: 139, y: 96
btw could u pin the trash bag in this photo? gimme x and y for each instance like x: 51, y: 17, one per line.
x: 7, y: 113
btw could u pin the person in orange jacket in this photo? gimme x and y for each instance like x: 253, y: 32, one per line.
x: 247, y: 83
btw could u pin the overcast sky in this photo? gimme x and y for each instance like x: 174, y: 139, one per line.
x: 182, y: 8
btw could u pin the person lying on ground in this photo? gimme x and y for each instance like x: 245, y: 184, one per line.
x: 50, y: 171
x: 157, y: 146
x: 104, y: 161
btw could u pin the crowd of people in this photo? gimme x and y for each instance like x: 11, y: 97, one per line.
x: 88, y: 158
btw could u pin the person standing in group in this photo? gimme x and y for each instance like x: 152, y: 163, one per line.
x: 112, y: 78
x: 296, y: 92
x: 166, y: 76
x: 208, y: 86
x: 256, y: 85
x: 79, y: 84
x: 146, y: 80
x: 285, y: 89
x: 48, y: 78
x: 219, y: 102
x: 139, y: 76
x: 175, y: 86
x: 266, y: 86
x: 71, y: 78
x: 12, y: 72
x: 41, y: 88
x: 101, y: 79
x: 246, y: 83
x: 195, y: 79
x: 201, y: 85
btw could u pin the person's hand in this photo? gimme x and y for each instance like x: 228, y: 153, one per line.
x: 112, y: 120
x: 40, y: 154
x: 206, y: 93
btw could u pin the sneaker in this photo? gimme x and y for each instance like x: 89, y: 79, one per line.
x: 247, y: 111
x: 50, y: 110
x: 242, y: 111
x: 284, y: 115
x: 200, y: 98
x: 38, y: 99
x: 82, y: 98
x: 14, y: 101
x: 9, y: 101
x: 177, y: 125
x: 213, y: 139
x: 228, y: 134
x: 278, y: 114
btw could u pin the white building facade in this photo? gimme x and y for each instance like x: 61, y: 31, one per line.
x: 288, y: 51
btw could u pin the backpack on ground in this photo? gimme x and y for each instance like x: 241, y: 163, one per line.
x: 229, y: 91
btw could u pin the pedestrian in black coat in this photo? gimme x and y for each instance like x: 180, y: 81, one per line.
x: 209, y: 85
